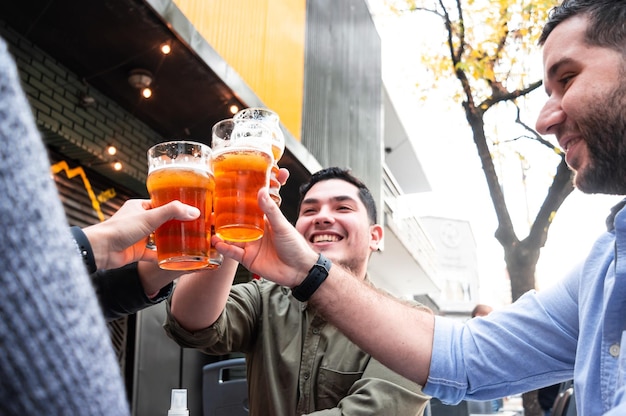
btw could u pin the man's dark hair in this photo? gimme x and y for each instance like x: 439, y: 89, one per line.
x: 345, y: 175
x: 607, y: 21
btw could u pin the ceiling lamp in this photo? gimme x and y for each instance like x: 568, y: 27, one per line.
x: 141, y: 79
x: 111, y: 150
x: 166, y: 48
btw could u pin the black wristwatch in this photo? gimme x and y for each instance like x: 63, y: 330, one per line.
x: 313, y: 280
x: 84, y: 248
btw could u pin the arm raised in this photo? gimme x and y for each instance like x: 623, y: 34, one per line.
x: 397, y: 334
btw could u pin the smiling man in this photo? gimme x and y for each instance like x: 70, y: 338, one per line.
x: 574, y: 329
x: 298, y: 363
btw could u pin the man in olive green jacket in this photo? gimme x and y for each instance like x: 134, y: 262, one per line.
x: 297, y: 363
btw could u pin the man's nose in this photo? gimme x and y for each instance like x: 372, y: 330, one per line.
x: 551, y: 116
x: 323, y: 217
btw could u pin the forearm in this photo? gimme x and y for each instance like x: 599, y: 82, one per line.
x: 121, y: 293
x: 99, y: 244
x: 199, y: 298
x: 398, y: 335
x: 153, y: 278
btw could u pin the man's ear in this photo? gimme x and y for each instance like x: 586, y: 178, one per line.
x: 376, y: 236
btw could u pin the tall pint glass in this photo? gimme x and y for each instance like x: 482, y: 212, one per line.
x: 272, y: 119
x: 242, y: 158
x: 181, y: 170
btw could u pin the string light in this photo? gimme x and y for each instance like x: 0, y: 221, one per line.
x: 166, y: 49
x: 141, y: 79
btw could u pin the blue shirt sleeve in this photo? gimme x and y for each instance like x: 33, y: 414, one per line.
x: 527, y: 345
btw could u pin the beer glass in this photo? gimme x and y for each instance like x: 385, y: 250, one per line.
x: 215, y: 257
x: 270, y: 118
x: 181, y: 170
x: 242, y: 159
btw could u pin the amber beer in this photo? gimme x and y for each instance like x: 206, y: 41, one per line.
x: 176, y: 175
x: 274, y: 189
x: 241, y: 162
x: 272, y: 120
x: 239, y: 174
x: 215, y: 257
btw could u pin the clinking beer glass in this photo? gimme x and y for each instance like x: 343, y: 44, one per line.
x: 181, y: 170
x: 242, y: 159
x: 272, y: 119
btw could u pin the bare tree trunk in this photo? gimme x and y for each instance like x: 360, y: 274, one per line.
x: 521, y: 262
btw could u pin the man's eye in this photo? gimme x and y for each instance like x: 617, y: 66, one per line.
x: 564, y: 80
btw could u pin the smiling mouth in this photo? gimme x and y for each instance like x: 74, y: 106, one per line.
x: 325, y: 238
x: 567, y: 145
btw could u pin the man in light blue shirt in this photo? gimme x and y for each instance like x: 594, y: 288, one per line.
x: 573, y: 330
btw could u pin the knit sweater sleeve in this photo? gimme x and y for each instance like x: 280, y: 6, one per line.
x: 56, y: 356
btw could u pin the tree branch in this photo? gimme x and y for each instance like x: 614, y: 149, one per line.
x: 509, y: 96
x: 562, y: 186
x: 536, y: 136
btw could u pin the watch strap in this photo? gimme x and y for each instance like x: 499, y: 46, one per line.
x: 84, y: 248
x: 313, y: 280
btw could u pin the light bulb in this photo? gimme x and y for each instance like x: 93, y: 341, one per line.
x: 146, y: 92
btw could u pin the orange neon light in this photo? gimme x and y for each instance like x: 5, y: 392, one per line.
x: 78, y: 171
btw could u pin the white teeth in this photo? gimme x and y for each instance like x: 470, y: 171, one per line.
x: 569, y: 144
x: 325, y: 238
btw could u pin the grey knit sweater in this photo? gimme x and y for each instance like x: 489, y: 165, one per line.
x: 55, y: 354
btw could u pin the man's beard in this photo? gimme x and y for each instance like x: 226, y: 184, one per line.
x: 604, y: 131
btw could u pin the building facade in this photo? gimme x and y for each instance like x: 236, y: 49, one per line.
x: 316, y: 62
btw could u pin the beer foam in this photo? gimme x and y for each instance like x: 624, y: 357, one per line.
x: 240, y: 148
x: 157, y: 164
